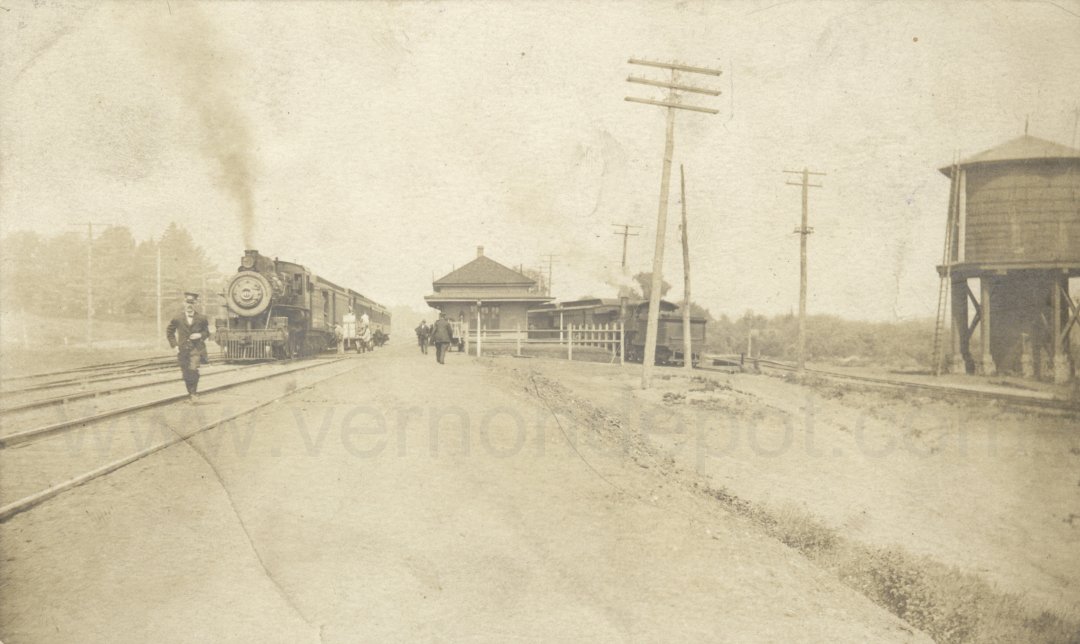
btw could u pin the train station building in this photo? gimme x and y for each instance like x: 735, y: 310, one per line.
x: 485, y: 291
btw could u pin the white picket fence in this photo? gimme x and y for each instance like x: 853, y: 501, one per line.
x: 602, y: 336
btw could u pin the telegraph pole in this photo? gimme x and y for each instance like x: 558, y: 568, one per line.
x: 688, y: 355
x: 803, y: 231
x: 625, y: 234
x: 549, y: 257
x: 672, y: 103
x: 160, y: 329
x: 90, y: 280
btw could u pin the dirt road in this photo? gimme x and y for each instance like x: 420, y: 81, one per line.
x: 407, y: 501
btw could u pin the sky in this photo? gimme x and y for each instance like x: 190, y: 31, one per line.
x: 380, y: 143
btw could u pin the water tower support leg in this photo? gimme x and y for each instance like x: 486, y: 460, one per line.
x: 1063, y: 321
x: 960, y: 354
x: 987, y: 367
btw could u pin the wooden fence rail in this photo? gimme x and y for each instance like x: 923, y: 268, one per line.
x: 602, y: 336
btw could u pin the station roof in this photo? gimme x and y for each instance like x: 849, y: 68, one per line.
x: 488, y: 295
x: 486, y: 272
x: 1023, y: 148
x: 595, y: 303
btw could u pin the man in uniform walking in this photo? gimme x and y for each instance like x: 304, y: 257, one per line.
x: 188, y: 333
x: 442, y: 334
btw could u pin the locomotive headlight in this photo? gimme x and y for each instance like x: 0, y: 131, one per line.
x: 247, y: 261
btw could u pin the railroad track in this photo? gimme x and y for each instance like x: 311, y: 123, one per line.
x: 16, y: 438
x: 1014, y: 399
x: 29, y: 438
x: 87, y: 376
x: 97, y: 393
x: 105, y: 366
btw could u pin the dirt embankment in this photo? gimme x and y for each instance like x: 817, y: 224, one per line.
x: 960, y: 517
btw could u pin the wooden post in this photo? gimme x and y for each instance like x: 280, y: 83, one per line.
x: 1059, y: 357
x: 803, y: 231
x: 673, y: 103
x: 517, y: 334
x: 161, y: 329
x: 987, y: 367
x: 622, y: 343
x: 561, y: 339
x: 688, y: 355
x: 570, y: 342
x: 802, y: 275
x: 465, y: 332
x: 479, y: 330
x: 658, y: 254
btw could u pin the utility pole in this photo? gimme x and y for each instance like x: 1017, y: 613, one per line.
x: 90, y: 280
x: 160, y: 329
x: 803, y: 231
x: 688, y: 355
x: 672, y: 103
x: 625, y: 234
x: 549, y: 257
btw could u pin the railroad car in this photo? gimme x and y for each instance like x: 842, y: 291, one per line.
x: 279, y: 310
x: 634, y: 314
x: 669, y: 335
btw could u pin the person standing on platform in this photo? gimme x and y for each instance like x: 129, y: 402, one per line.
x: 363, y: 331
x: 423, y: 334
x: 442, y: 334
x: 188, y: 333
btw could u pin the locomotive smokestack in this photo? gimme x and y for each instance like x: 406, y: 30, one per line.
x: 479, y: 251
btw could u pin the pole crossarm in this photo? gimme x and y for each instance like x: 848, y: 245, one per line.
x: 809, y: 185
x: 692, y: 108
x: 682, y: 68
x: 684, y: 88
x: 820, y: 174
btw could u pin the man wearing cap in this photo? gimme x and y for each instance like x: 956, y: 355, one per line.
x: 442, y: 334
x: 423, y: 333
x: 188, y: 332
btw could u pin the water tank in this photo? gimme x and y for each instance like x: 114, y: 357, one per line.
x: 1022, y: 204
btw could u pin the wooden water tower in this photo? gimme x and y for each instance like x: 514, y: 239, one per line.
x: 1014, y: 225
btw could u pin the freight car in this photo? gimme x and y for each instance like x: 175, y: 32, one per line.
x: 633, y: 313
x: 279, y: 310
x: 669, y: 335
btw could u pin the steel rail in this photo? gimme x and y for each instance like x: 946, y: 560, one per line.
x: 29, y: 502
x: 105, y: 365
x: 1018, y: 399
x: 95, y: 393
x: 89, y: 379
x: 56, y: 428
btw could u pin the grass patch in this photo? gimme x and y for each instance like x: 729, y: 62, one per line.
x: 944, y: 602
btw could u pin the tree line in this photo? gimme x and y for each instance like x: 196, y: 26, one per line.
x: 903, y: 344
x: 48, y: 275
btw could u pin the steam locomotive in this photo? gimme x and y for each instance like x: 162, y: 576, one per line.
x: 280, y: 310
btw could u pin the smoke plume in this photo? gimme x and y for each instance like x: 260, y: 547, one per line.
x: 198, y: 65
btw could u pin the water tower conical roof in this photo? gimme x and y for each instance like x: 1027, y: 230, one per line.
x: 1022, y: 148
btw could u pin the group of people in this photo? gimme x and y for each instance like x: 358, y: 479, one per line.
x: 189, y: 331
x: 354, y: 331
x: 441, y: 334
